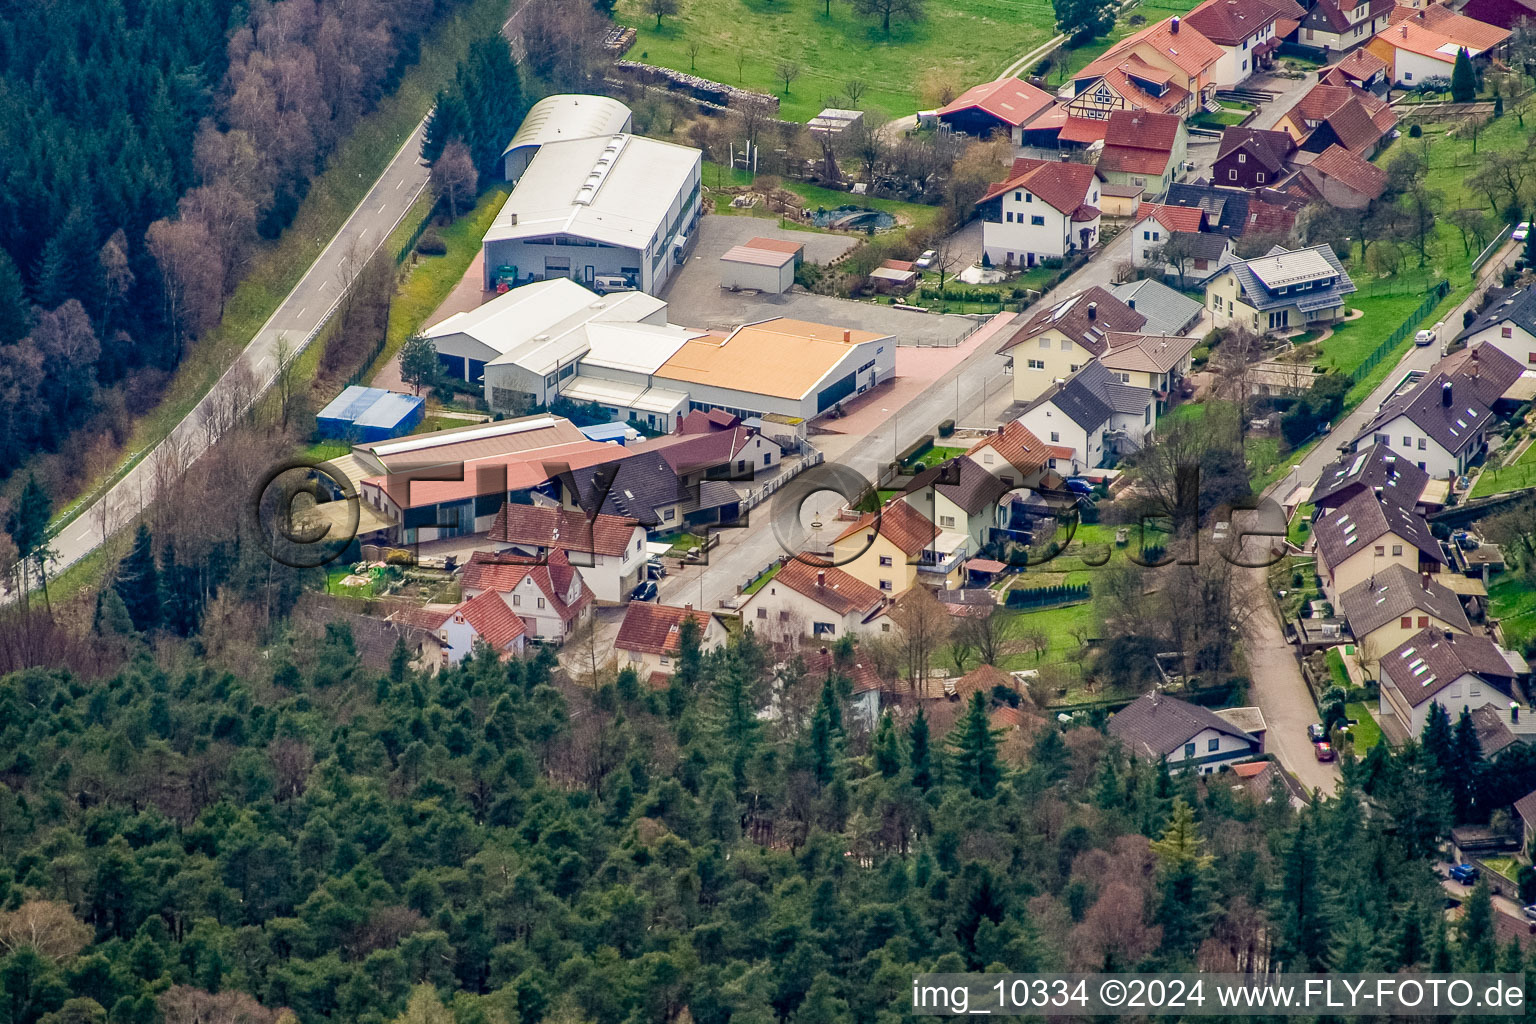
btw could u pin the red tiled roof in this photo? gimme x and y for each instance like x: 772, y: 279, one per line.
x: 656, y: 628
x: 1359, y: 175
x: 1230, y: 22
x: 1359, y: 118
x: 830, y: 587
x: 822, y: 663
x: 1007, y: 99
x: 513, y: 471
x: 700, y: 422
x: 1174, y: 218
x: 1426, y: 30
x: 1359, y: 65
x: 568, y: 529
x: 1085, y: 213
x: 1139, y: 142
x: 1064, y: 186
x: 1187, y: 49
x: 698, y: 452
x: 430, y: 619
x: 1082, y: 130
x: 1070, y: 317
x: 492, y: 620
x: 1017, y: 444
x: 899, y: 523
x: 501, y: 573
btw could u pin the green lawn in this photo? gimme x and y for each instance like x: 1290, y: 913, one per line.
x: 1056, y: 623
x: 717, y: 176
x: 1520, y: 475
x: 958, y: 44
x: 1300, y: 529
x: 1506, y: 866
x: 1365, y: 730
x: 1337, y: 673
x: 277, y: 266
x: 762, y: 580
x: 1514, y: 605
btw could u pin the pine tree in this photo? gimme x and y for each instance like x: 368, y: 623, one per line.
x: 112, y: 618
x: 27, y: 522
x: 1477, y: 943
x: 1439, y: 743
x: 974, y: 742
x: 1048, y: 756
x: 826, y: 730
x: 15, y: 310
x: 920, y: 755
x: 1299, y: 907
x: 889, y: 757
x: 1463, y: 78
x: 177, y: 612
x: 1470, y: 767
x: 138, y: 582
x: 1184, y: 885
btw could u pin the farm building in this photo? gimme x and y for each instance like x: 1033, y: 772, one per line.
x: 765, y: 265
x: 362, y: 414
x: 559, y: 118
x: 610, y: 206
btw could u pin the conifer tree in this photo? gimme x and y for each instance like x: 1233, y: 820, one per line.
x: 1463, y: 78
x: 1303, y: 944
x: 974, y: 742
x: 920, y: 755
x: 1184, y: 885
x: 889, y: 756
x: 138, y: 581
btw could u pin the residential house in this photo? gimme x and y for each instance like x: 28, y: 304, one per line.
x: 1453, y: 670
x: 958, y: 495
x: 1126, y: 82
x: 650, y: 637
x: 1015, y: 455
x: 1334, y: 25
x: 1252, y: 157
x: 1439, y: 427
x: 1167, y: 311
x: 1525, y: 810
x: 1171, y: 241
x: 865, y: 683
x: 374, y: 637
x: 1184, y: 735
x: 481, y: 619
x: 609, y: 550
x: 884, y: 549
x: 1265, y: 781
x: 1422, y: 47
x: 1393, y: 605
x: 1157, y: 362
x: 1172, y: 55
x: 1501, y: 13
x: 1045, y: 210
x: 1143, y: 148
x: 1365, y: 535
x: 1375, y: 469
x: 1226, y: 209
x: 1489, y: 374
x: 737, y: 454
x: 1280, y: 290
x: 1095, y: 415
x: 1003, y: 106
x: 1340, y: 115
x: 805, y: 599
x: 1360, y: 68
x: 550, y: 596
x: 1055, y: 342
x: 1339, y: 178
x: 1272, y: 213
x: 1247, y: 31
x: 1507, y: 324
x: 642, y: 485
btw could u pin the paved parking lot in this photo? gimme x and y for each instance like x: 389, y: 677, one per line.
x: 696, y: 299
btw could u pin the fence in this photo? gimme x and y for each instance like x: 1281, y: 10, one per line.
x: 1493, y: 247
x: 755, y: 498
x: 1407, y: 327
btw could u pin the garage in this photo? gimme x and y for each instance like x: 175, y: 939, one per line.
x: 764, y: 265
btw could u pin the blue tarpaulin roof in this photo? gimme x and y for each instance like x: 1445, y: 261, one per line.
x: 607, y: 431
x: 370, y: 414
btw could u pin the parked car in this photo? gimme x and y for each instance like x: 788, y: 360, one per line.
x: 1316, y: 733
x: 605, y: 283
x: 1077, y: 485
x: 1521, y: 230
x: 1466, y: 874
x: 925, y: 261
x: 1323, y: 750
x: 655, y: 570
x: 644, y: 592
x: 1529, y: 912
x: 1424, y: 338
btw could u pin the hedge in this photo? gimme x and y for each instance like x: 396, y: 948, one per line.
x: 1045, y: 597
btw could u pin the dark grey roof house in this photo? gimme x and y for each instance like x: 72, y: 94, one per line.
x: 1183, y: 734
x: 1167, y: 311
x: 1395, y: 593
x: 1373, y: 470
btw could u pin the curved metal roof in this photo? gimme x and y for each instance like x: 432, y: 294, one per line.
x: 569, y: 116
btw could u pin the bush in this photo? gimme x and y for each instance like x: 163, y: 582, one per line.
x: 1415, y: 130
x: 1199, y: 356
x: 946, y: 428
x: 431, y: 243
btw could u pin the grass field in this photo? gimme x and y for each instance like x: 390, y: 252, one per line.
x: 958, y: 44
x: 1521, y: 474
x: 1337, y: 673
x: 1513, y: 603
x: 277, y: 266
x: 1365, y: 730
x: 716, y: 175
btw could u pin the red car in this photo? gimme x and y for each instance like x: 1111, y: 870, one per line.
x: 1324, y: 751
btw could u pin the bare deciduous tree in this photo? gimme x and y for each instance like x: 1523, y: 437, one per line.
x: 924, y: 627
x: 786, y: 71
x: 455, y: 178
x: 47, y: 926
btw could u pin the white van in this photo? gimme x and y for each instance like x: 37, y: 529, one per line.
x: 605, y: 283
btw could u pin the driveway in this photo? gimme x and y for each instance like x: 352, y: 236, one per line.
x: 696, y: 299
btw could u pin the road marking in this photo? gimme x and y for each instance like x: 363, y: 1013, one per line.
x: 399, y: 184
x: 301, y: 312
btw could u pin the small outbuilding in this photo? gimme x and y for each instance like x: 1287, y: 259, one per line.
x: 761, y: 264
x: 361, y: 415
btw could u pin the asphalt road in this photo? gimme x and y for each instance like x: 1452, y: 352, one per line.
x: 297, y: 320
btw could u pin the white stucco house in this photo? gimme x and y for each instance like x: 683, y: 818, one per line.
x: 1044, y: 210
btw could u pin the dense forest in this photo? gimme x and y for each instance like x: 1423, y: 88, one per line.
x: 182, y: 843
x: 146, y: 146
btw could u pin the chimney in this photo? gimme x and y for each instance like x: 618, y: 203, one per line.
x: 1426, y: 582
x: 821, y: 577
x: 1174, y: 25
x: 1514, y: 712
x: 1445, y: 394
x: 1093, y: 311
x: 1130, y: 303
x: 688, y: 607
x: 847, y: 335
x: 1378, y: 493
x: 513, y: 222
x: 1404, y: 31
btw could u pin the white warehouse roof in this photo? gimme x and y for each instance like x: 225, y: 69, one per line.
x: 615, y: 189
x: 569, y: 116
